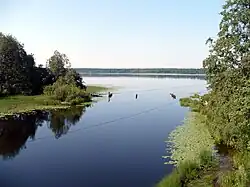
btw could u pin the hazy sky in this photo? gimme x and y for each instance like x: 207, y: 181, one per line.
x: 114, y: 33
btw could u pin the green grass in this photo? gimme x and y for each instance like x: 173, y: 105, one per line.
x: 239, y: 174
x: 235, y: 178
x: 191, y: 146
x: 188, y: 140
x: 22, y: 104
x: 96, y: 89
x: 206, y: 179
x: 172, y: 180
x: 192, y: 174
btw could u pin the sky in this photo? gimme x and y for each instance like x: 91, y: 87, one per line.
x: 114, y: 33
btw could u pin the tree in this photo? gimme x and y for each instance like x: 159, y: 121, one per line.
x: 14, y: 66
x: 227, y: 68
x: 233, y: 43
x: 57, y: 63
x: 18, y: 73
x: 40, y: 78
x: 209, y: 40
x: 72, y: 77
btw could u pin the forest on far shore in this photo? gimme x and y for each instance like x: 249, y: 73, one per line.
x: 142, y: 70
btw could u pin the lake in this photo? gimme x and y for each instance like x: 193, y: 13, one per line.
x: 109, y: 144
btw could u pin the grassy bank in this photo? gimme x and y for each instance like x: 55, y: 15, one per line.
x: 101, y: 89
x: 22, y: 104
x: 192, y: 151
x: 97, y: 89
x: 197, y: 164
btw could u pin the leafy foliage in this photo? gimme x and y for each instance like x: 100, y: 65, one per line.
x: 57, y: 64
x: 188, y: 171
x: 19, y: 75
x: 72, y: 77
x: 228, y: 74
x: 68, y: 86
x: 191, y: 147
x: 13, y: 61
x: 226, y: 108
x: 66, y: 92
x: 237, y: 178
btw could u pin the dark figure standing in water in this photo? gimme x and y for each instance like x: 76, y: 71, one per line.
x: 136, y: 96
x: 173, y: 96
x: 109, y: 96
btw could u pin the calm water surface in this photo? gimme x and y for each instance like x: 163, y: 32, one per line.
x: 111, y: 144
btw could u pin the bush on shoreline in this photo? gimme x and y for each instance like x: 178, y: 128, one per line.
x: 20, y: 75
x: 187, y: 171
x: 191, y: 147
x: 69, y: 93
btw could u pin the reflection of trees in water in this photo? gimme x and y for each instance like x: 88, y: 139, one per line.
x: 15, y: 133
x: 61, y: 121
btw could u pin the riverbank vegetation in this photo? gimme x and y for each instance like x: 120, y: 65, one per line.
x: 226, y: 107
x: 186, y: 141
x: 25, y: 87
x: 191, y: 147
x: 10, y: 105
x: 97, y: 89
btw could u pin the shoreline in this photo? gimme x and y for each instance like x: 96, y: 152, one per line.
x: 16, y: 107
x: 198, y: 159
x: 192, y: 154
x: 42, y: 109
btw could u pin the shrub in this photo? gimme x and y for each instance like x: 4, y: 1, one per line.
x: 182, y: 174
x: 207, y: 159
x: 188, y: 170
x: 49, y: 90
x: 62, y: 92
x: 237, y: 178
x: 69, y: 93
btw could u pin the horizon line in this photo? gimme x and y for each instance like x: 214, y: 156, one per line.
x: 136, y: 68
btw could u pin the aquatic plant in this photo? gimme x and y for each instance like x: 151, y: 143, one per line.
x: 188, y: 171
x: 188, y: 140
x: 191, y: 147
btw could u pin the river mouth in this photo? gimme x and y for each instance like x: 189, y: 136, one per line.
x: 116, y: 143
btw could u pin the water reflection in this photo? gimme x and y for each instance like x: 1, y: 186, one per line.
x: 15, y: 133
x: 60, y: 121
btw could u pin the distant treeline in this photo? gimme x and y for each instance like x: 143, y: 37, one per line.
x: 156, y: 75
x: 139, y: 70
